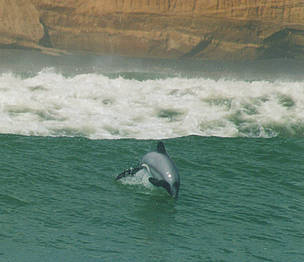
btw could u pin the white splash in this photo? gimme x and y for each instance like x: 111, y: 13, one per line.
x: 97, y: 107
x: 140, y: 178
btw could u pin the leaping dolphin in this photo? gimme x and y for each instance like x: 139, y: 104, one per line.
x: 161, y: 169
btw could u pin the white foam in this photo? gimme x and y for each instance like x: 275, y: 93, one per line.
x: 140, y: 178
x: 97, y: 107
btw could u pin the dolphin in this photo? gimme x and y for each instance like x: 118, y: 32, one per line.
x: 160, y: 167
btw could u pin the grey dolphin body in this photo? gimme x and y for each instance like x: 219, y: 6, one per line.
x: 161, y: 169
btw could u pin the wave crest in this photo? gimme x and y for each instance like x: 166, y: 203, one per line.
x: 99, y: 107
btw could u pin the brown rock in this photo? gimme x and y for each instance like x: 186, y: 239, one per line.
x: 19, y: 24
x: 205, y: 29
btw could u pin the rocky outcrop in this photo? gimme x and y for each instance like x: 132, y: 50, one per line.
x: 204, y: 29
x: 19, y: 24
x: 21, y: 27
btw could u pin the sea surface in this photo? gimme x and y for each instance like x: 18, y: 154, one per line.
x: 69, y: 125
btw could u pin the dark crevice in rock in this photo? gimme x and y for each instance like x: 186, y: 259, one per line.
x: 45, y: 40
x: 198, y: 48
x: 283, y: 44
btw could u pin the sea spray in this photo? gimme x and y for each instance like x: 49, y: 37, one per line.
x: 99, y: 107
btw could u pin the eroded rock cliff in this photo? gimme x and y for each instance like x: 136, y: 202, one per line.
x: 206, y: 29
x: 19, y: 24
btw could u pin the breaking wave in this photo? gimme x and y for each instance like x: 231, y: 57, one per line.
x: 99, y: 107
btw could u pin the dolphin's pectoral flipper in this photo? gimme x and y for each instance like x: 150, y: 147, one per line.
x: 155, y: 181
x: 129, y: 172
x: 161, y: 183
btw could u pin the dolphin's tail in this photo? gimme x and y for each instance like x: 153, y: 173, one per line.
x: 129, y: 172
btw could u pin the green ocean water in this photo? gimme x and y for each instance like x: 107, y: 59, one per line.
x: 240, y: 200
x: 69, y: 125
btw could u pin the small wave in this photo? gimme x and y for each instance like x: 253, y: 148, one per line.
x: 12, y: 201
x: 101, y: 107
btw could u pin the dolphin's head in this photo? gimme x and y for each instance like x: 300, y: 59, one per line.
x: 173, y: 189
x: 171, y: 180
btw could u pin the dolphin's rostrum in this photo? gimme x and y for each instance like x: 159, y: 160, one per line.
x: 161, y: 169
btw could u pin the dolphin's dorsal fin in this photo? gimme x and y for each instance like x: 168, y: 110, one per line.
x: 161, y: 148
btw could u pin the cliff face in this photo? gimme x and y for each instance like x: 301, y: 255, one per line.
x: 206, y: 29
x: 19, y: 24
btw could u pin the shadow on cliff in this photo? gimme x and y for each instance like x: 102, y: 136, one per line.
x: 283, y: 44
